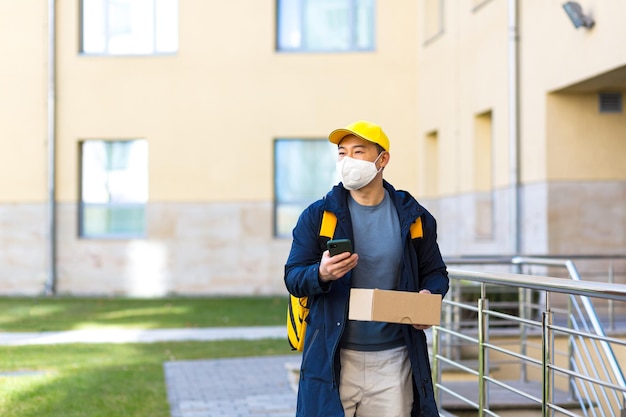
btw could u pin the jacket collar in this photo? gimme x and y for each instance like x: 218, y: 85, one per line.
x: 408, y: 208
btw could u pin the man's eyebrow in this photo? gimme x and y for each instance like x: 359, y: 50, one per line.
x: 353, y: 146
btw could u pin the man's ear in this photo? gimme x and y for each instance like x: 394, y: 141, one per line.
x: 384, y: 159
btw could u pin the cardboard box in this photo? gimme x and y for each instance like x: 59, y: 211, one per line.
x: 394, y: 306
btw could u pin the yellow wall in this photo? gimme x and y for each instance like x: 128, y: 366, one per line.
x: 584, y: 144
x: 568, y: 153
x: 23, y: 51
x: 462, y: 74
x: 556, y: 56
x: 568, y: 55
x: 219, y: 102
x: 211, y: 112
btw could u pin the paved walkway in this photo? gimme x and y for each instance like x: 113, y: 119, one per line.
x: 235, y: 387
x: 142, y: 336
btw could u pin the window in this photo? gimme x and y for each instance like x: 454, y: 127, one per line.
x: 114, y: 188
x: 304, y: 171
x: 430, y: 174
x: 483, y: 175
x: 129, y: 27
x: 325, y: 25
x: 433, y: 19
x: 483, y: 154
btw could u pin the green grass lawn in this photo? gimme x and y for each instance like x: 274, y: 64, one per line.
x: 65, y: 313
x: 115, y: 380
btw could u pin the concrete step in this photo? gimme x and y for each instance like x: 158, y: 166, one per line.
x: 500, y: 398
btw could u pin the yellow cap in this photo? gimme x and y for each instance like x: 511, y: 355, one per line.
x: 363, y: 129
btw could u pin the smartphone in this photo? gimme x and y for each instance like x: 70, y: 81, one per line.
x: 339, y: 246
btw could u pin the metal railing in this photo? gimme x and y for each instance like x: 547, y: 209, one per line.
x: 607, y: 268
x: 582, y: 317
x: 583, y: 380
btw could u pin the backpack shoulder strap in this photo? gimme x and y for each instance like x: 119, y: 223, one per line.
x: 329, y: 223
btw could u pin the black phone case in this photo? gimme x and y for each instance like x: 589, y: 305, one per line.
x: 338, y: 246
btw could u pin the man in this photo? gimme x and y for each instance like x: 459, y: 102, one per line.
x: 358, y: 368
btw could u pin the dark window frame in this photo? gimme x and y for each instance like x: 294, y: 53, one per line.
x: 82, y: 205
x: 353, y: 47
x: 154, y: 51
x: 321, y: 183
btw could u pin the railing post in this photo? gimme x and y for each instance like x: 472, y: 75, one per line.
x: 483, y: 354
x: 436, y: 369
x: 611, y: 303
x: 547, y: 350
x: 570, y: 350
x: 455, y: 313
x: 523, y: 313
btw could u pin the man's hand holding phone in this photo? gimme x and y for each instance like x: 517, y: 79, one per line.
x: 337, y: 260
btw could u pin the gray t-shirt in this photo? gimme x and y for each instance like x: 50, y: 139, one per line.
x: 378, y: 243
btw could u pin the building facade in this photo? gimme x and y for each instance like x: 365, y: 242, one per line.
x: 153, y: 147
x: 521, y: 115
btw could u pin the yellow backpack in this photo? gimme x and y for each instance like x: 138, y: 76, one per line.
x: 298, y: 307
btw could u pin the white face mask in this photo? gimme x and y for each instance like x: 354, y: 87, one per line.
x: 356, y: 173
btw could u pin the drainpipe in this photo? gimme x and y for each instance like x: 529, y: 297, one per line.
x: 514, y: 159
x: 514, y: 140
x: 50, y: 286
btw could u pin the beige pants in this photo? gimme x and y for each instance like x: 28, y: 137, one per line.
x: 376, y: 384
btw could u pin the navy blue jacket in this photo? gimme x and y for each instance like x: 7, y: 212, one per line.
x: 422, y: 268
